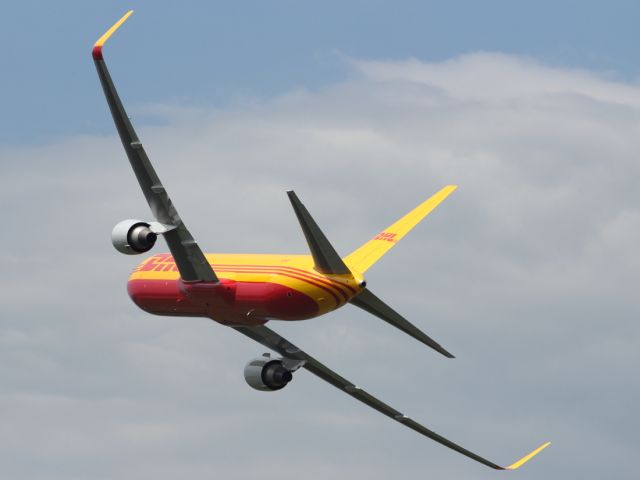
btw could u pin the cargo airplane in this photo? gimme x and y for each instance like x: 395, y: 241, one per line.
x: 244, y: 292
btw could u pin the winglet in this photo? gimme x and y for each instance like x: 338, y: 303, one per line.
x: 528, y: 457
x: 97, y: 47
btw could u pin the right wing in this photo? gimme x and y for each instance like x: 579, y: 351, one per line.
x: 191, y: 262
x: 275, y: 342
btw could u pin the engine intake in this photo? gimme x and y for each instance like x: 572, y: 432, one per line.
x: 133, y: 237
x: 267, y: 374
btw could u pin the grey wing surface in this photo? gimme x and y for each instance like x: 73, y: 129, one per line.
x: 190, y: 260
x: 275, y: 342
x: 367, y: 301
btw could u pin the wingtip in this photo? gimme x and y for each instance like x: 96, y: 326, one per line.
x: 527, y: 457
x: 97, y: 47
x: 443, y: 352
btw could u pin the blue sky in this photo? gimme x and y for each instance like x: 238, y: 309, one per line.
x: 528, y: 273
x: 214, y: 52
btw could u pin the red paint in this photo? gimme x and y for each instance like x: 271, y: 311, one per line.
x: 164, y: 262
x: 342, y: 288
x: 389, y: 237
x: 297, y: 274
x: 229, y: 302
x: 97, y: 52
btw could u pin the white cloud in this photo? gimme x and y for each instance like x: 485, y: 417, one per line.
x: 495, y: 76
x: 528, y: 273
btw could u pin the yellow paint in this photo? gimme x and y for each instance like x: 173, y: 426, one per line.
x: 109, y: 32
x: 296, y: 271
x: 526, y: 458
x: 292, y: 271
x: 368, y: 254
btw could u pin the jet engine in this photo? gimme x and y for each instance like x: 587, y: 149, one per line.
x: 133, y: 237
x: 267, y: 374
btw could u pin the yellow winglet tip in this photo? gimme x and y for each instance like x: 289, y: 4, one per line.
x: 528, y: 457
x: 97, y: 47
x: 446, y: 191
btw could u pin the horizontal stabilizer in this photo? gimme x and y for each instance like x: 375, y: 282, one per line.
x: 372, y: 304
x: 325, y: 257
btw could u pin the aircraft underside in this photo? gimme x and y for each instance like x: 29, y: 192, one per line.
x: 228, y: 302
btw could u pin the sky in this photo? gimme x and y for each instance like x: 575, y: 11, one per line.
x: 527, y: 273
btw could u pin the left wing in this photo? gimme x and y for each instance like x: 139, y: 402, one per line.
x: 191, y: 262
x: 275, y: 342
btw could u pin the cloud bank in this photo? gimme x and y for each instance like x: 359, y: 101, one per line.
x: 528, y: 273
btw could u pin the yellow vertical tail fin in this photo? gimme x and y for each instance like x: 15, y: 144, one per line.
x: 364, y: 257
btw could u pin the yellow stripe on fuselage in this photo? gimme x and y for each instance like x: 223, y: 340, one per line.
x: 292, y: 271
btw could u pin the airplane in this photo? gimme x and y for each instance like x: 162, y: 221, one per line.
x: 244, y: 292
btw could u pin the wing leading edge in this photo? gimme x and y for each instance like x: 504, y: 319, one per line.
x: 275, y: 342
x: 191, y: 262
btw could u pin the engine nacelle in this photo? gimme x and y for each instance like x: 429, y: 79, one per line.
x: 267, y: 374
x: 133, y: 237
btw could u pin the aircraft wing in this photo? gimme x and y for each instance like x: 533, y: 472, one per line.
x: 191, y: 262
x: 275, y: 342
